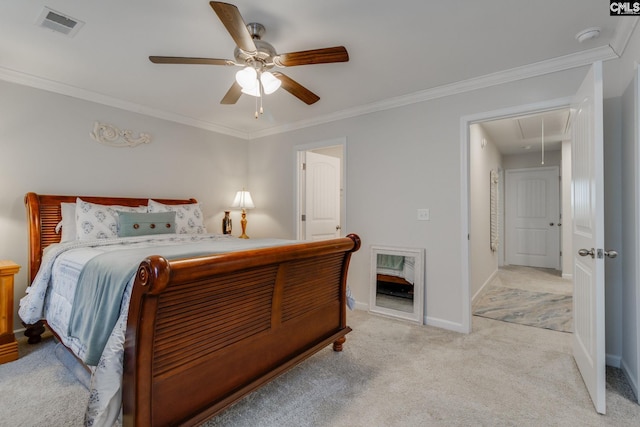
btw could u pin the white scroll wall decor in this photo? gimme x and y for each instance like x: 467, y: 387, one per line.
x: 494, y: 198
x: 112, y: 136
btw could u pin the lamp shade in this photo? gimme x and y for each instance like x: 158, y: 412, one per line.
x: 243, y: 200
x: 269, y: 82
x: 253, y: 90
x: 246, y: 77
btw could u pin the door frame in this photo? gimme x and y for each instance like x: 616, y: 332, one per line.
x: 465, y: 218
x: 299, y: 189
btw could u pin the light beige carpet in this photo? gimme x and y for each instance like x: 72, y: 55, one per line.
x: 391, y: 373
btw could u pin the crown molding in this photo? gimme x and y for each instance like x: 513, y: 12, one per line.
x: 562, y: 63
x: 87, y: 95
x: 587, y: 57
x: 623, y: 34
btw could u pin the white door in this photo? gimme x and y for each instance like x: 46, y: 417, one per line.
x: 322, y: 196
x: 532, y: 215
x: 588, y: 235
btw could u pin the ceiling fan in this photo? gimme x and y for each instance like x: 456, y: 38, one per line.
x: 257, y: 57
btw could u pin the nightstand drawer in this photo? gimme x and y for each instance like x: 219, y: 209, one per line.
x: 8, y: 343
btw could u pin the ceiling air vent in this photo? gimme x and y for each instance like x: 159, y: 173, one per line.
x: 59, y: 22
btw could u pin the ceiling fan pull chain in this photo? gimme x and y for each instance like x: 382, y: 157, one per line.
x: 261, y: 94
x: 257, y: 107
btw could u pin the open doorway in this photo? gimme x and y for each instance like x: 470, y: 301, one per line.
x: 320, y: 184
x: 521, y: 279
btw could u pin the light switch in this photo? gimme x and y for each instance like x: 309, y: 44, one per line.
x: 423, y: 214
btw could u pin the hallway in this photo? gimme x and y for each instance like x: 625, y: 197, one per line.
x: 529, y: 296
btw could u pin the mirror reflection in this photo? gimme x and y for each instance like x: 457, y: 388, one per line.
x: 394, y: 282
x: 397, y: 287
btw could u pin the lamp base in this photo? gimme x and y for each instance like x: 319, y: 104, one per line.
x: 243, y: 223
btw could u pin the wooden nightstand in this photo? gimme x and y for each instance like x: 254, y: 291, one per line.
x: 8, y: 343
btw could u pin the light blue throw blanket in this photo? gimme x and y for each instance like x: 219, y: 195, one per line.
x: 103, y: 280
x: 392, y: 262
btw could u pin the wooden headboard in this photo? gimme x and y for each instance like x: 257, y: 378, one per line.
x: 43, y: 214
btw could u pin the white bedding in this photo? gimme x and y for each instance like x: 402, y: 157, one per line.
x: 407, y: 273
x: 51, y: 296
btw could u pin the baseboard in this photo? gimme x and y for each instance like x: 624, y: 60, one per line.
x: 567, y: 276
x: 613, y: 360
x: 484, y: 285
x: 361, y: 306
x: 431, y: 321
x: 633, y: 382
x: 446, y: 324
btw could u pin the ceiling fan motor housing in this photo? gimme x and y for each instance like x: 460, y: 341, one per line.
x: 263, y: 60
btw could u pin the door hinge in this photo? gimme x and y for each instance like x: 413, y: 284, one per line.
x: 303, y: 166
x: 304, y: 217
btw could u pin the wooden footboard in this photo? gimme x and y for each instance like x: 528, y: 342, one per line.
x: 204, y: 332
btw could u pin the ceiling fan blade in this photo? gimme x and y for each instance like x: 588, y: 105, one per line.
x: 233, y: 22
x: 314, y: 56
x: 183, y: 60
x: 233, y: 94
x: 296, y: 89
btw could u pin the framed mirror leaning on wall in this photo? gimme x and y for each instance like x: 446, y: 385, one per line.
x: 397, y: 282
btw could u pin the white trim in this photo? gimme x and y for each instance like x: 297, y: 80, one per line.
x: 614, y: 360
x: 519, y: 73
x: 465, y: 123
x: 361, y: 306
x: 445, y: 324
x: 87, y: 95
x: 418, y: 313
x: 562, y: 63
x: 636, y: 141
x: 492, y: 276
x: 465, y: 225
x: 623, y: 34
x: 633, y: 382
x: 298, y: 157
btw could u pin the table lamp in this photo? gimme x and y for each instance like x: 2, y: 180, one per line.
x: 243, y: 201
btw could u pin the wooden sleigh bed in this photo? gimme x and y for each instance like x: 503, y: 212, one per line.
x: 193, y: 347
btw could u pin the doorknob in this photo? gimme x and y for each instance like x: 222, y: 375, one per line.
x: 551, y: 224
x: 338, y: 228
x: 610, y: 254
x: 585, y: 252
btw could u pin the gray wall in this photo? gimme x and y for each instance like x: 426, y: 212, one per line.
x: 46, y: 148
x: 483, y: 262
x: 629, y: 253
x: 398, y: 161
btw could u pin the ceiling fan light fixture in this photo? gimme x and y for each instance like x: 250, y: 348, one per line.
x: 269, y: 82
x: 247, y: 78
x: 253, y: 91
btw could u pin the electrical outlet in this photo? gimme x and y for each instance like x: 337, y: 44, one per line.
x: 423, y: 214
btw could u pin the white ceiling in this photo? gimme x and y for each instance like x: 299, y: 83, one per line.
x: 524, y: 134
x: 400, y: 52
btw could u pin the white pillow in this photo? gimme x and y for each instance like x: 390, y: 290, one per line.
x: 68, y: 223
x: 189, y: 217
x: 94, y: 221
